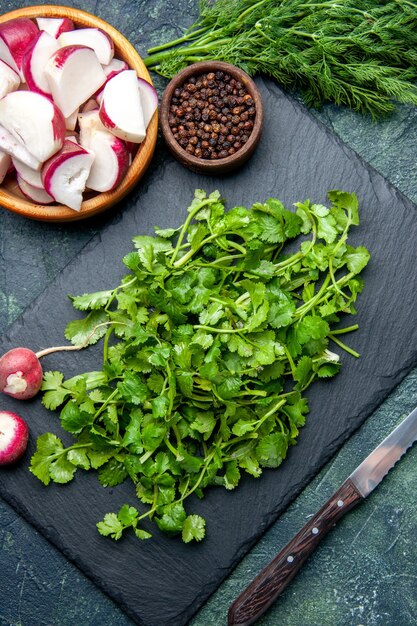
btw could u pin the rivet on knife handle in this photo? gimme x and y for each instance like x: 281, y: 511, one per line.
x: 272, y: 581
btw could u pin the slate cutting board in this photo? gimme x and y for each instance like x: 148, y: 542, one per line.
x: 164, y: 582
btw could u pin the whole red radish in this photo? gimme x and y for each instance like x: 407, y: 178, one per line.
x: 20, y: 373
x: 14, y: 436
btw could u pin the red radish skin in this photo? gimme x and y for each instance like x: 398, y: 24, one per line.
x: 55, y: 26
x: 108, y: 123
x: 20, y: 373
x: 34, y: 59
x: 15, y: 36
x: 14, y: 435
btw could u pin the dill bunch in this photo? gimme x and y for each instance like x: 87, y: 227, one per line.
x: 359, y: 54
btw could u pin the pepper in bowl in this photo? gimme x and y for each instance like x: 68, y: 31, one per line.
x: 211, y: 117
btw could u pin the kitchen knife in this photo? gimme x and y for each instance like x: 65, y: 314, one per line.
x: 273, y: 579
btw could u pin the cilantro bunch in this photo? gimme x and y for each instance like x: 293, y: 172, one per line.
x: 209, y: 343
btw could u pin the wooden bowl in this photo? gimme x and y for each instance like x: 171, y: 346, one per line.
x: 10, y: 196
x: 200, y: 165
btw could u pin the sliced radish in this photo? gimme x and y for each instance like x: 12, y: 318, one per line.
x: 34, y: 121
x: 74, y: 74
x: 40, y: 196
x: 114, y: 67
x: 14, y: 435
x: 31, y: 176
x: 121, y: 109
x: 34, y: 60
x: 111, y: 161
x: 149, y: 100
x: 5, y: 161
x: 65, y: 174
x: 9, y: 79
x: 12, y: 146
x: 71, y: 120
x: 93, y: 38
x: 55, y: 26
x: 90, y: 105
x: 15, y: 36
x: 89, y: 122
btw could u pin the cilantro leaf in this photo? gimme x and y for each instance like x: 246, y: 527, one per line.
x: 194, y: 527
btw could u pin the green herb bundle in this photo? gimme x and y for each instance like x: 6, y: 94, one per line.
x: 363, y: 55
x: 209, y: 343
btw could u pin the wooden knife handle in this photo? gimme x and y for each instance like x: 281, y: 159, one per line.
x: 274, y: 578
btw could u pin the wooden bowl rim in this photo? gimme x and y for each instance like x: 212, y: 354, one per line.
x: 101, y: 201
x: 227, y: 163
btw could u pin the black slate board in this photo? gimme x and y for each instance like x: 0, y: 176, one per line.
x: 163, y: 582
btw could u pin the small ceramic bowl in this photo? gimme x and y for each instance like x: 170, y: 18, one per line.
x: 197, y: 164
x: 10, y: 196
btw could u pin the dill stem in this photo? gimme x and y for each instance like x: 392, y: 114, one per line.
x: 176, y: 42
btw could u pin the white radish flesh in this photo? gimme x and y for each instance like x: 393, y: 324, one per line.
x: 90, y: 105
x: 34, y: 121
x: 55, y: 26
x: 5, y: 162
x: 65, y: 174
x: 40, y: 196
x: 149, y: 100
x: 9, y: 79
x: 89, y: 122
x: 111, y: 161
x: 93, y: 38
x: 16, y: 149
x: 74, y: 74
x: 121, y: 109
x: 31, y: 176
x: 114, y: 67
x: 15, y: 36
x: 34, y: 61
x: 71, y: 120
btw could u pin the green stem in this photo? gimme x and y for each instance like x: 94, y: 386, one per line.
x: 175, y: 42
x: 348, y: 329
x: 104, y: 405
x: 155, y: 59
x: 344, y: 346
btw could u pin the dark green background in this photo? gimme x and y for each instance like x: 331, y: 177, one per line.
x: 364, y: 574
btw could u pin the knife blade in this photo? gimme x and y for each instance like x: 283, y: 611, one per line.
x: 262, y: 592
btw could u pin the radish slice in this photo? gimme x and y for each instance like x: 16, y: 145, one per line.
x: 9, y: 79
x: 90, y: 105
x: 121, y: 109
x: 71, y: 120
x: 40, y: 196
x: 34, y: 121
x: 31, y: 176
x: 5, y: 161
x: 55, y: 26
x: 114, y: 67
x: 93, y: 38
x: 65, y: 174
x: 74, y: 74
x: 34, y: 60
x: 15, y: 36
x: 149, y: 100
x: 12, y: 146
x: 89, y: 122
x: 111, y: 161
